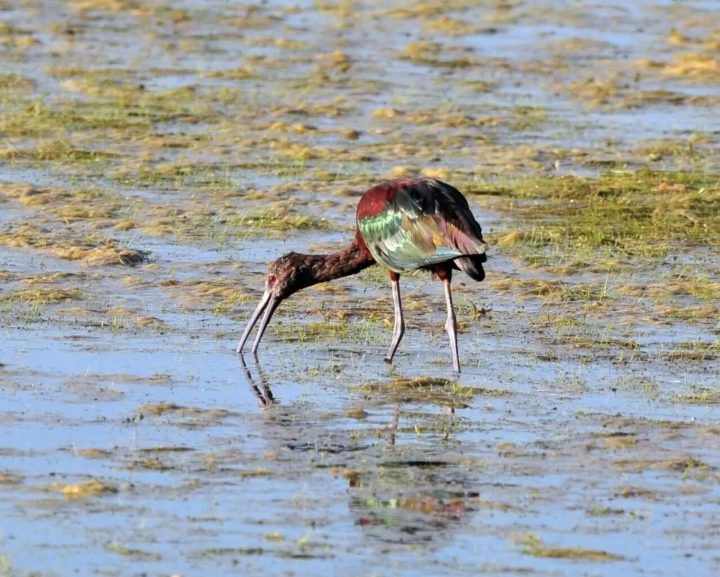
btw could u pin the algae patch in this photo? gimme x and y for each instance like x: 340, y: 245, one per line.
x: 427, y: 390
x: 85, y: 490
x: 628, y: 215
x: 532, y: 545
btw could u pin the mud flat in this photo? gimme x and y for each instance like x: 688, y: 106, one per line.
x: 153, y: 157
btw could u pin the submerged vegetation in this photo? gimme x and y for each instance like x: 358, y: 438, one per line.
x: 535, y: 547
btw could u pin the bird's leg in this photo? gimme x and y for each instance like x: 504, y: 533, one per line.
x: 451, y: 323
x: 399, y: 326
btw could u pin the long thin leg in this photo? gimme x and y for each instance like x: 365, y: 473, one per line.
x: 399, y: 326
x: 451, y: 325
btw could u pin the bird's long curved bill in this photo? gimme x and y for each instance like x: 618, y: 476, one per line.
x: 268, y: 304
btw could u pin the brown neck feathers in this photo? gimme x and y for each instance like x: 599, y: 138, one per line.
x: 348, y: 261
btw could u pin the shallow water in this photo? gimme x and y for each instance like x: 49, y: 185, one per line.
x: 580, y: 438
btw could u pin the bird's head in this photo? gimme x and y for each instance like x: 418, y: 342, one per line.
x: 285, y: 276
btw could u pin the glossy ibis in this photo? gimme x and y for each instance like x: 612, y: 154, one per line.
x: 403, y: 225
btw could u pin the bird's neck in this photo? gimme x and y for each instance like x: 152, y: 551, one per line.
x: 348, y: 261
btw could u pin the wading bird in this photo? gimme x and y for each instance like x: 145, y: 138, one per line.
x: 403, y: 225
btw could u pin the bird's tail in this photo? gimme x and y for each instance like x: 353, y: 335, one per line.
x: 472, y: 266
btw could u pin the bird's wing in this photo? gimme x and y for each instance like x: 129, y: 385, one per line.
x: 426, y: 222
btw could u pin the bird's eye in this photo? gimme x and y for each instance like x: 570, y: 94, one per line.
x: 271, y: 280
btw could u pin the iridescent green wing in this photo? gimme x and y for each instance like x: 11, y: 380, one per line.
x: 427, y: 222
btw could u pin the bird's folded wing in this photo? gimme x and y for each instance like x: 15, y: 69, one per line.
x: 412, y: 233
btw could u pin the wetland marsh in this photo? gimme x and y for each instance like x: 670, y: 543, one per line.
x: 155, y: 155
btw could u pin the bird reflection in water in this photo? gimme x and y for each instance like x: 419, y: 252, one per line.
x: 261, y: 390
x: 400, y: 493
x: 413, y: 494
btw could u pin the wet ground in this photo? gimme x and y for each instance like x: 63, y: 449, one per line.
x: 153, y: 158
